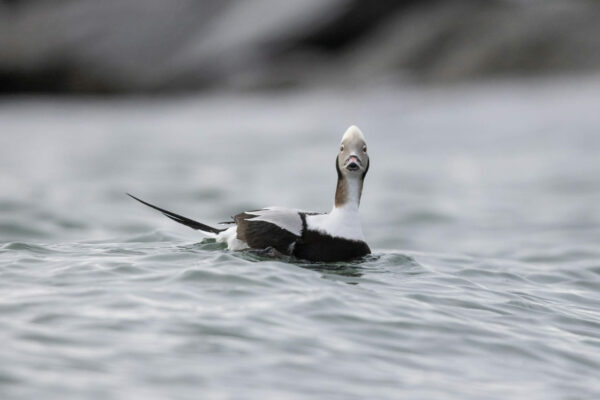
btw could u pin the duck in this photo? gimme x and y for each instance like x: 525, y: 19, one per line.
x: 312, y: 236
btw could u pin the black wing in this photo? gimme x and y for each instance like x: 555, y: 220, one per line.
x: 262, y: 234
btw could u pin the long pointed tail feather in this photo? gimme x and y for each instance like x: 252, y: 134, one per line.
x: 181, y: 219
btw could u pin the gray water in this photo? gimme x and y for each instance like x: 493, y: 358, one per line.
x: 482, y: 207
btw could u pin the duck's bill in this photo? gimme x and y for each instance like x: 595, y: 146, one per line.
x: 353, y: 163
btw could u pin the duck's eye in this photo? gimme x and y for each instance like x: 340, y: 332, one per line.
x: 342, y: 148
x: 364, y: 148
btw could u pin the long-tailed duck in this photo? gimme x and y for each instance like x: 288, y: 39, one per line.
x: 335, y: 236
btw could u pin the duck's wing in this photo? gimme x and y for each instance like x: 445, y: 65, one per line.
x: 275, y: 227
x: 289, y: 219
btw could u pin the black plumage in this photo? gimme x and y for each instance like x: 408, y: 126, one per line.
x: 310, y: 245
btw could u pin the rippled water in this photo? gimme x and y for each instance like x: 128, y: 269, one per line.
x: 482, y: 206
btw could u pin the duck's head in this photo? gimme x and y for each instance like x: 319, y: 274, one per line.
x: 352, y: 160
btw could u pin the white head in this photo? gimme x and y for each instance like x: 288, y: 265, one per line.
x: 352, y: 164
x: 353, y: 160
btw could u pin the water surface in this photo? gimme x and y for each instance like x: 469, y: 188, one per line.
x: 482, y: 206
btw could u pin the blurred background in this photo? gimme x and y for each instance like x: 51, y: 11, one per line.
x: 460, y: 100
x: 158, y: 46
x: 482, y: 202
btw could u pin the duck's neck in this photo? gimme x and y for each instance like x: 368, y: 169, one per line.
x: 347, y: 193
x: 343, y: 221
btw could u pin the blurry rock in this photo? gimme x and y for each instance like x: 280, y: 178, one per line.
x: 140, y: 45
x: 167, y: 45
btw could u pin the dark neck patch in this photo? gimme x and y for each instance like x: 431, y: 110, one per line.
x: 341, y: 190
